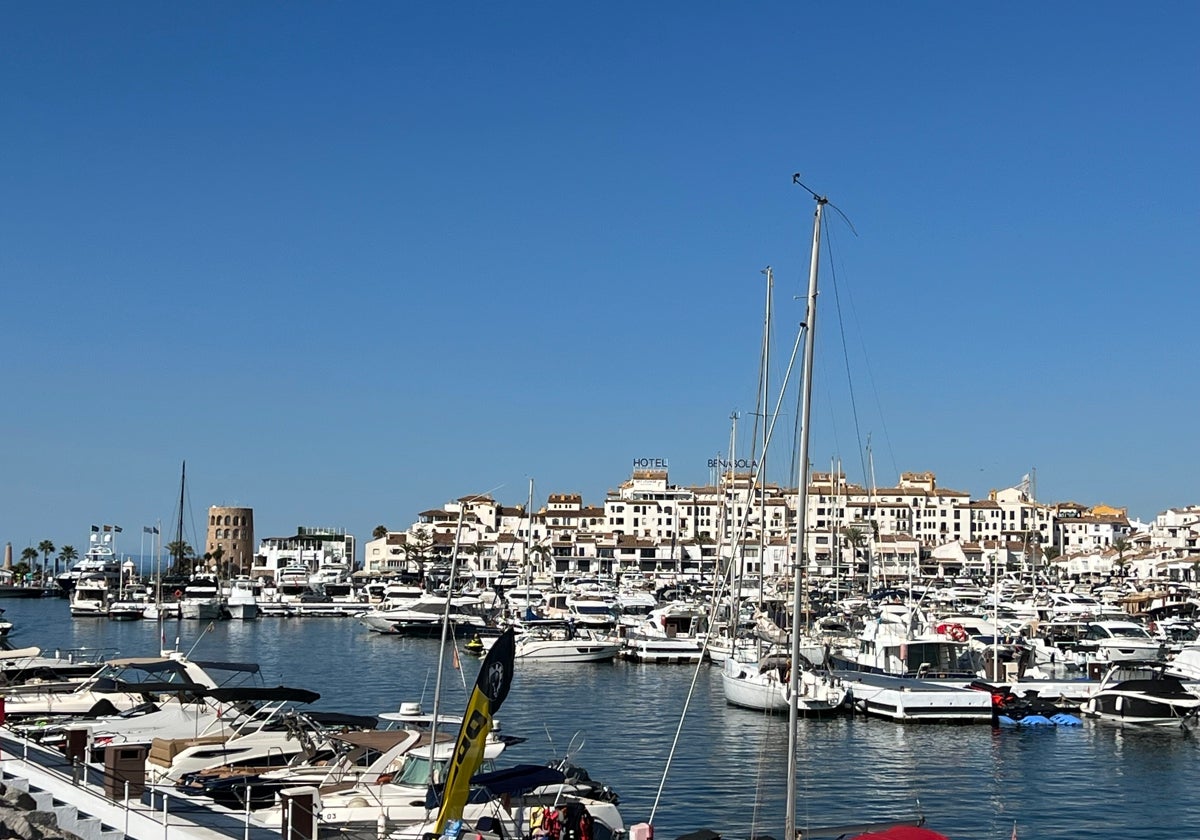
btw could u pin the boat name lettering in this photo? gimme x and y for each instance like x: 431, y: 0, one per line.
x: 650, y: 463
x: 740, y: 463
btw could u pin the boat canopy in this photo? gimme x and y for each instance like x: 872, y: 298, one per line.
x: 247, y: 667
x: 107, y: 686
x: 513, y: 781
x: 519, y: 779
x: 260, y: 694
x: 340, y: 719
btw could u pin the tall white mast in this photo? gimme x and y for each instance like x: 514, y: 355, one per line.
x: 810, y: 323
x: 761, y: 471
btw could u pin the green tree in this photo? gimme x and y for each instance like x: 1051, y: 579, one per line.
x: 29, y: 556
x: 1121, y: 545
x: 380, y: 532
x: 417, y: 549
x: 181, y: 555
x: 540, y: 559
x: 46, y: 548
x: 217, y: 556
x: 67, y: 554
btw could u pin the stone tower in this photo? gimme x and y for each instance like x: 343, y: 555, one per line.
x: 231, y: 529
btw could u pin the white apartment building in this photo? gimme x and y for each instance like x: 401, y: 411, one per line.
x: 1087, y: 532
x: 315, y: 548
x: 648, y: 526
x: 1177, y: 529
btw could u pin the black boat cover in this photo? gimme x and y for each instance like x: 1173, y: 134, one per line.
x: 512, y: 780
x: 257, y: 693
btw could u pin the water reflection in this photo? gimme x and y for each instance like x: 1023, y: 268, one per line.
x: 728, y: 772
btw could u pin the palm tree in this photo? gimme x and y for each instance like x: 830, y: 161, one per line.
x: 46, y: 548
x: 541, y: 554
x: 67, y: 554
x: 1121, y: 545
x: 179, y: 551
x: 856, y: 537
x: 29, y: 557
x: 380, y: 532
x: 217, y: 554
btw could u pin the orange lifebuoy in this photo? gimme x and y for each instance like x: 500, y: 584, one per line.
x: 178, y: 594
x: 957, y: 633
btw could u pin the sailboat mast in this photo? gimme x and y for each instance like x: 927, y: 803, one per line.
x: 529, y: 544
x: 761, y: 472
x: 179, y: 528
x: 810, y: 323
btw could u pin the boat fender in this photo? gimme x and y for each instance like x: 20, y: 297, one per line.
x: 641, y: 831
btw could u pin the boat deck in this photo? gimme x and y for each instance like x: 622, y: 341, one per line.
x: 911, y: 700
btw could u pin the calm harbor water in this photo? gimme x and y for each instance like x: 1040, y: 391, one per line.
x: 972, y: 783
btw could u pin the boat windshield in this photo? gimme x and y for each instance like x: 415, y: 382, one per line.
x: 415, y: 771
x: 936, y: 657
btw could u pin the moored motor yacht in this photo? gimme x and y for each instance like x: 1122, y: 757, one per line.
x: 672, y: 633
x: 242, y: 603
x: 119, y: 685
x: 99, y: 560
x: 424, y: 616
x: 889, y: 645
x: 1120, y: 641
x: 201, y: 599
x: 1142, y: 694
x: 548, y: 640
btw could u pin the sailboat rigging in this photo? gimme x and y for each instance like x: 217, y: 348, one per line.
x: 810, y: 324
x: 890, y: 830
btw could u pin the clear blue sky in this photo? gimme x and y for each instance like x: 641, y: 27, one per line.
x: 354, y: 260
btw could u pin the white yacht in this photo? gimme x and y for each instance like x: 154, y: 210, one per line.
x: 119, y: 685
x: 242, y: 603
x: 766, y: 686
x: 549, y: 640
x: 91, y: 595
x: 99, y: 562
x: 425, y: 615
x: 671, y: 633
x: 896, y: 643
x: 1120, y: 641
x: 201, y: 599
